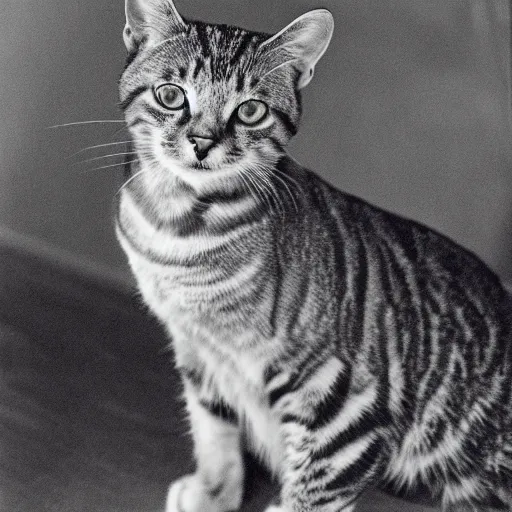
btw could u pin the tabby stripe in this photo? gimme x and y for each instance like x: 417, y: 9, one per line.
x: 328, y: 405
x: 302, y: 291
x: 360, y: 470
x: 132, y: 95
x: 240, y: 82
x: 358, y: 320
x: 199, y: 66
x: 278, y: 280
x: 276, y: 394
x: 384, y: 384
x: 335, y: 226
x: 285, y: 119
x: 303, y: 373
x: 248, y: 216
x: 153, y: 112
x: 245, y: 42
x: 220, y: 409
x: 365, y: 425
x: 222, y: 196
x: 356, y: 418
x: 328, y: 408
x: 438, y: 374
x: 202, y: 36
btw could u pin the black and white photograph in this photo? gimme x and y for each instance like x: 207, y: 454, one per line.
x: 255, y: 256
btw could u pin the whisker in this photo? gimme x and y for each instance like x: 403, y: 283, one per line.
x: 113, y: 165
x: 260, y: 171
x: 78, y: 123
x: 138, y: 173
x: 266, y: 193
x: 259, y: 193
x: 289, y: 192
x: 290, y: 179
x: 97, y: 146
x: 104, y: 156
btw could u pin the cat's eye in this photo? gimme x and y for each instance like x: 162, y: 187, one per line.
x: 252, y: 112
x: 170, y: 96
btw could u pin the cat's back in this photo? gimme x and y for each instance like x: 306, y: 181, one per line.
x: 400, y: 245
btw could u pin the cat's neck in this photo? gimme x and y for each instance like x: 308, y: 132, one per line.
x: 185, y: 203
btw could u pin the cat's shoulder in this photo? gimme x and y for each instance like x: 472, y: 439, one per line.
x: 419, y: 241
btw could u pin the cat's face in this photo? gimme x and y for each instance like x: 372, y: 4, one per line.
x: 203, y: 98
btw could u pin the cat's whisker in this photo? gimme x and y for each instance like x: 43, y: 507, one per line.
x: 114, y: 165
x: 263, y: 175
x: 97, y: 146
x: 290, y: 193
x: 81, y: 123
x: 266, y: 190
x: 275, y: 192
x: 270, y: 176
x: 105, y: 156
x: 291, y: 180
x: 137, y: 174
x: 257, y: 189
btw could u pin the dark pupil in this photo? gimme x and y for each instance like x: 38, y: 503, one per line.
x: 170, y: 95
x: 250, y: 109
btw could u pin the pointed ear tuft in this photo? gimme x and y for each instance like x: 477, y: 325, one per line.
x: 148, y: 22
x: 303, y: 42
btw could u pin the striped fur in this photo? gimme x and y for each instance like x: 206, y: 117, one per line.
x: 346, y: 346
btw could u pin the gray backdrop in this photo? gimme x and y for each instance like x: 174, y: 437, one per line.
x: 409, y: 109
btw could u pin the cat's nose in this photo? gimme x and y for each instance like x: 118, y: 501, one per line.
x: 201, y: 145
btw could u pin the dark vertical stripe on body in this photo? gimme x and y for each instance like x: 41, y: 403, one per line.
x: 335, y: 241
x: 328, y: 408
x: 278, y: 271
x: 359, y: 471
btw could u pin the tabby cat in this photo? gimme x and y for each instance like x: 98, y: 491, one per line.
x: 344, y: 345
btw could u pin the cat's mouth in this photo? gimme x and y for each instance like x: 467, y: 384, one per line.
x: 200, y: 166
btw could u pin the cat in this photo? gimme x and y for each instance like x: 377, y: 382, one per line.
x: 344, y: 345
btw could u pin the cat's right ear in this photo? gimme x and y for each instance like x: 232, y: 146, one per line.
x: 149, y: 22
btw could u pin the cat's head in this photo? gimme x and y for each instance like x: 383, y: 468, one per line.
x: 202, y: 98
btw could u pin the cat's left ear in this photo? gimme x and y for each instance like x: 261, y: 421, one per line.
x: 149, y: 22
x: 303, y: 41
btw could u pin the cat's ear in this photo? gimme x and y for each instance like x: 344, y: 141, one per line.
x: 303, y: 42
x: 148, y: 22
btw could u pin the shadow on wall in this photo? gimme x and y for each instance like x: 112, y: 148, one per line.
x: 409, y: 109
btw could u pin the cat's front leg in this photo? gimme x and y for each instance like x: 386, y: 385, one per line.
x: 217, y: 484
x: 334, y: 439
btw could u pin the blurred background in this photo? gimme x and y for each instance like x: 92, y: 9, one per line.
x: 409, y: 108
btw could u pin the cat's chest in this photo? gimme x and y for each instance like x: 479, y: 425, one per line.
x: 198, y: 279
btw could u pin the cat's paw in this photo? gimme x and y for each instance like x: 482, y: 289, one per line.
x: 188, y: 494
